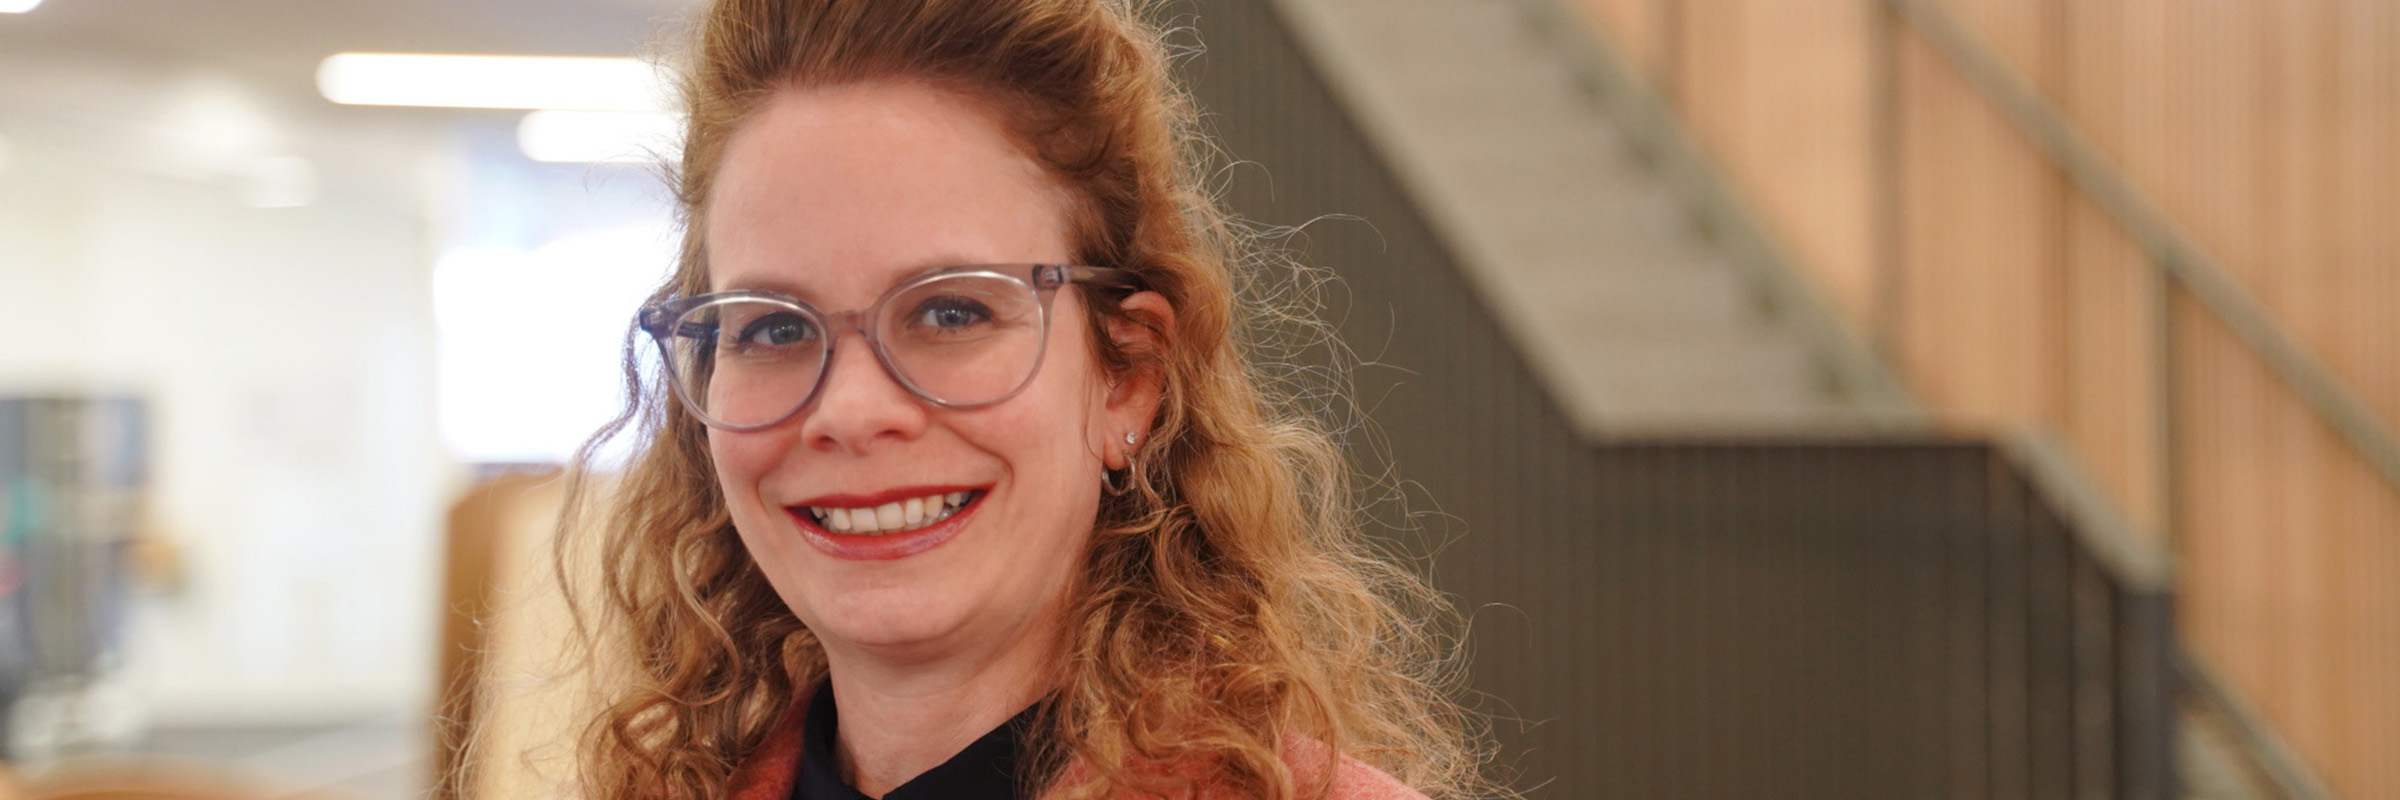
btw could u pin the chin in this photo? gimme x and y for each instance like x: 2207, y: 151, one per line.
x: 888, y: 619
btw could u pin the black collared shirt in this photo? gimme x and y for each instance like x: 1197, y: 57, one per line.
x: 987, y: 769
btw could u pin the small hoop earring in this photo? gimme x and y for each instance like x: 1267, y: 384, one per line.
x: 1108, y: 479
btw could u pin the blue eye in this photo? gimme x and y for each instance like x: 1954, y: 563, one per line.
x: 776, y: 330
x: 950, y: 313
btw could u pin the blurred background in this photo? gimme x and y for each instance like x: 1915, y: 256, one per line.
x: 257, y: 342
x: 1856, y: 398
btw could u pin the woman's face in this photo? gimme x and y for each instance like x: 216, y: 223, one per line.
x: 833, y: 195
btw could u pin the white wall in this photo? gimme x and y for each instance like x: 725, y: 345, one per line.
x: 287, y: 357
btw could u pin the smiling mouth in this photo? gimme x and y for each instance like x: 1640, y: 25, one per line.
x: 900, y: 516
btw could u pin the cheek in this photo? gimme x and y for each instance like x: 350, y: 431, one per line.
x: 1072, y: 429
x: 1032, y: 439
x: 1048, y: 446
x: 740, y: 460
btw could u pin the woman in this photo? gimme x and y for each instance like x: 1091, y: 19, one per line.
x: 958, y: 484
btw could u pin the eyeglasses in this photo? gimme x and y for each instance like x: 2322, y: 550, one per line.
x: 963, y: 337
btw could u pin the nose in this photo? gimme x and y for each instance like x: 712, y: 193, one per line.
x: 861, y: 406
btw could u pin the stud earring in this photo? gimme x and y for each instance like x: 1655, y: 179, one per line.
x: 1108, y: 479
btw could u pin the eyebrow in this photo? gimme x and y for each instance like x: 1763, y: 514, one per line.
x: 778, y: 283
x: 765, y: 283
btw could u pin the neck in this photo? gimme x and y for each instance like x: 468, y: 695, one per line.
x: 897, y: 720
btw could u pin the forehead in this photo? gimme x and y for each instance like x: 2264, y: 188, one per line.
x: 834, y: 192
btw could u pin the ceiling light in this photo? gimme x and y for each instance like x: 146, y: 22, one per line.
x: 18, y: 6
x: 453, y: 81
x: 588, y: 136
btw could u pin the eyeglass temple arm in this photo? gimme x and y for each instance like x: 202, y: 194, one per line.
x: 653, y: 320
x: 1058, y: 274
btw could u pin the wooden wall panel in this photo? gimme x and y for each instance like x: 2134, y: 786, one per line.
x: 2295, y: 212
x: 1632, y: 26
x: 2367, y: 134
x: 2112, y: 380
x: 1978, y: 333
x: 2110, y: 383
x: 2363, y: 676
x: 1780, y: 92
x: 2227, y: 613
x: 2289, y: 590
x: 2369, y: 610
x: 2367, y: 266
x: 2267, y: 129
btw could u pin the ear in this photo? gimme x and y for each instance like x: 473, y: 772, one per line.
x: 1133, y: 397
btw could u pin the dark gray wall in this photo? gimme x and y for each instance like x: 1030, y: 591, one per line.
x: 1497, y: 469
x: 1794, y: 618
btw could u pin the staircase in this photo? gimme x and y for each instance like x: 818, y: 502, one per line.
x: 1711, y: 547
x: 1612, y: 267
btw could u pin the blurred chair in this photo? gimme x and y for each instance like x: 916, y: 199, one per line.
x: 146, y: 780
x: 506, y: 696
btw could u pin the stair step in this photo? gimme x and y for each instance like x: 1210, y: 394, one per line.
x: 1441, y: 31
x: 1567, y: 161
x: 1589, y: 254
x: 1750, y: 377
x: 1649, y: 303
x: 1612, y: 227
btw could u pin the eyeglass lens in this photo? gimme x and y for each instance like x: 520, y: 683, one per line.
x: 959, y: 340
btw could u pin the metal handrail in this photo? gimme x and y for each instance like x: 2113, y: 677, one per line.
x: 2145, y: 572
x: 2283, y: 768
x: 2172, y: 252
x: 1857, y: 370
x: 2178, y: 262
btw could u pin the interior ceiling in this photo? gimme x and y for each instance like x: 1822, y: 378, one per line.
x: 292, y: 35
x: 118, y: 58
x: 97, y: 74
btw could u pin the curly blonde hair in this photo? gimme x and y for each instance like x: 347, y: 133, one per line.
x: 1229, y: 602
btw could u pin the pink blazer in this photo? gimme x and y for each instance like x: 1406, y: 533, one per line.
x: 768, y: 774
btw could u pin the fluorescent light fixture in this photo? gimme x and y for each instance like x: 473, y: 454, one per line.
x: 18, y: 6
x: 455, y: 81
x: 587, y: 136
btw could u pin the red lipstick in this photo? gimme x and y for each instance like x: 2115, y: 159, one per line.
x: 884, y: 546
x: 880, y: 498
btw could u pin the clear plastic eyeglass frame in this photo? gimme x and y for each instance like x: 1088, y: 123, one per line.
x: 667, y: 321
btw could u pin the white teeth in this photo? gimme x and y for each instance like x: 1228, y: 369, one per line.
x: 915, y: 512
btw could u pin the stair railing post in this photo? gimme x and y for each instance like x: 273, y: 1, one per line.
x: 1670, y: 53
x: 2166, y: 405
x: 1889, y: 301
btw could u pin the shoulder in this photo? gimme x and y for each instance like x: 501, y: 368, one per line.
x: 1352, y: 779
x: 769, y: 771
